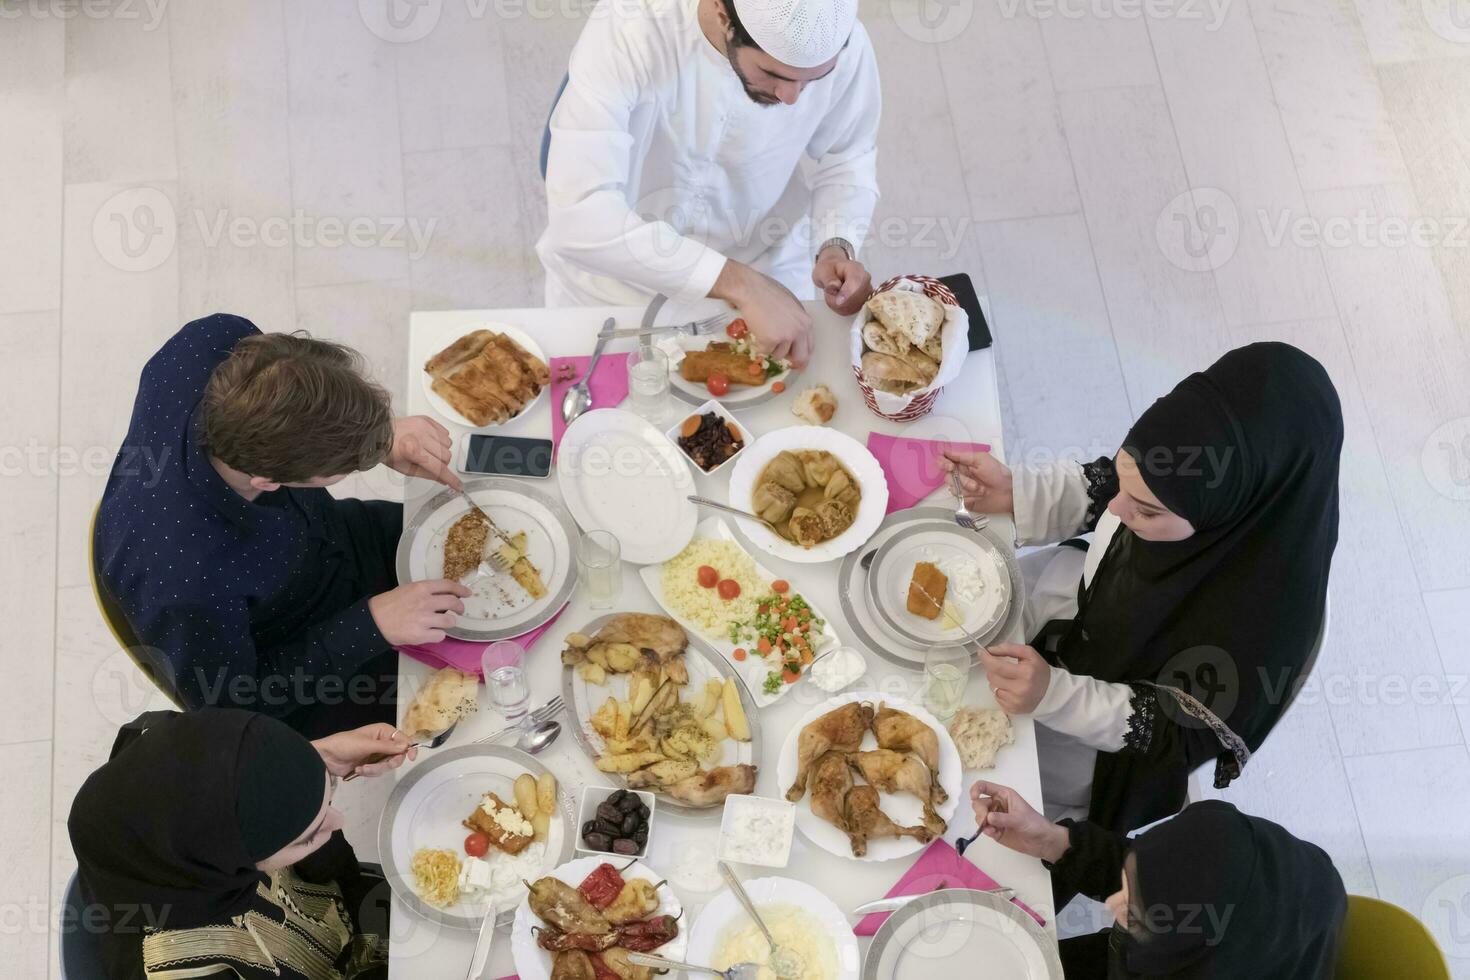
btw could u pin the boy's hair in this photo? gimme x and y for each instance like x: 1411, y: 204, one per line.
x: 290, y: 408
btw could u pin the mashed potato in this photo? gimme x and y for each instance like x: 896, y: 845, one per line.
x: 703, y: 607
x: 793, y: 929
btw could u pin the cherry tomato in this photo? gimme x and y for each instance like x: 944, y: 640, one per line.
x: 476, y: 844
x: 739, y: 653
x: 778, y: 387
x: 708, y: 577
x: 717, y: 384
x: 756, y: 369
x: 729, y: 589
x: 780, y: 586
x: 737, y: 328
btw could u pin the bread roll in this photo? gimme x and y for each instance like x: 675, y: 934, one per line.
x: 912, y: 314
x: 816, y: 405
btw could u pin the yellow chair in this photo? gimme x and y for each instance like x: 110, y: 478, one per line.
x: 1381, y: 941
x: 144, y: 658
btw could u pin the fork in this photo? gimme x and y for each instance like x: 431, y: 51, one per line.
x: 964, y: 517
x: 499, y: 561
x: 433, y: 743
x: 548, y: 710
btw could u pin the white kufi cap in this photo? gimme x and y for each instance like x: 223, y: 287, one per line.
x: 799, y: 33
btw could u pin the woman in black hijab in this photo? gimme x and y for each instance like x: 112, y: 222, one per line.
x: 1212, y: 893
x: 208, y: 842
x: 1202, y: 594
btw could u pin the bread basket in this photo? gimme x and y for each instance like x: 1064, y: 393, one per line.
x: 955, y: 333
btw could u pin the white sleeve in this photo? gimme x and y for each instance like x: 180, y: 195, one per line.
x: 589, y: 221
x: 1050, y: 501
x: 1094, y: 712
x: 841, y: 166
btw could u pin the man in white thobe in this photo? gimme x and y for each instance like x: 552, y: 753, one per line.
x: 722, y: 148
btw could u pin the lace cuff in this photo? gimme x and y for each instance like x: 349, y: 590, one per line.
x: 1102, y: 485
x: 1143, y: 709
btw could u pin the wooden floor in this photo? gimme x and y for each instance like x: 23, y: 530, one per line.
x: 1137, y: 194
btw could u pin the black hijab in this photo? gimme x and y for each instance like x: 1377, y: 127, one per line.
x: 1214, y: 893
x: 1223, y: 622
x: 167, y: 833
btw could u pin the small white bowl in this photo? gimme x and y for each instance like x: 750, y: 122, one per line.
x: 741, y: 805
x: 746, y: 436
x: 594, y: 796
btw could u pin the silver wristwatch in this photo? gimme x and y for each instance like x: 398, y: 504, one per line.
x: 841, y: 243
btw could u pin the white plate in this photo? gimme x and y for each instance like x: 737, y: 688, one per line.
x: 938, y: 541
x: 429, y: 805
x: 851, y: 453
x: 499, y: 607
x: 696, y: 392
x: 945, y: 934
x: 902, y: 808
x: 703, y: 664
x: 534, y: 963
x: 724, y: 912
x: 618, y: 473
x: 445, y: 411
x: 753, y: 669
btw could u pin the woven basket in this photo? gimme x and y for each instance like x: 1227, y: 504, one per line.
x: 921, y: 404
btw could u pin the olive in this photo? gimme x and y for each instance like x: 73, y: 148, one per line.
x: 629, y: 803
x: 589, y: 827
x: 630, y: 824
x: 641, y: 835
x: 643, y: 810
x: 598, y: 841
x: 625, y: 845
x: 618, y: 795
x: 611, y: 827
x: 610, y: 813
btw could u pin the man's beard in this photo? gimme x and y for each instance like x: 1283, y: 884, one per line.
x: 759, y: 98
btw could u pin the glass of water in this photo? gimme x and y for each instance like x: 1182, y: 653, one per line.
x: 505, y: 680
x: 648, y: 384
x: 600, y: 568
x: 946, y: 673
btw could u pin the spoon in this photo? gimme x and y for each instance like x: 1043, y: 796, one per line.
x: 539, y: 737
x: 706, y: 502
x: 740, y: 971
x: 785, y: 963
x: 578, y: 397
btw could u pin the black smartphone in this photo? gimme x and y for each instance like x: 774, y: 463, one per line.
x: 508, y: 456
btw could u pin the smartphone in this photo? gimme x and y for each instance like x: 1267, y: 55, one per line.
x: 508, y: 456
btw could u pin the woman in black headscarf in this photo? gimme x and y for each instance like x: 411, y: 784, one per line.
x: 208, y: 843
x: 1201, y: 597
x: 1211, y: 893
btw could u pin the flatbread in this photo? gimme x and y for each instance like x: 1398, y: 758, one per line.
x: 892, y: 374
x: 448, y: 696
x: 879, y: 338
x: 979, y: 734
x: 911, y: 314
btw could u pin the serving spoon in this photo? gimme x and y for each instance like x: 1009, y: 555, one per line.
x: 784, y: 962
x: 706, y: 502
x: 740, y: 971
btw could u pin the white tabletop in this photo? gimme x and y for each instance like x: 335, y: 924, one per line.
x: 968, y: 410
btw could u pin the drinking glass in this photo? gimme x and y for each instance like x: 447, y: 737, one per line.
x: 600, y: 568
x: 946, y: 672
x: 648, y: 384
x: 503, y: 664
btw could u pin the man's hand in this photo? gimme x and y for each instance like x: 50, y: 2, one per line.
x: 344, y: 752
x: 779, y: 324
x: 1005, y: 817
x: 421, y: 447
x: 984, y: 480
x: 1018, y: 676
x: 418, y: 612
x: 844, y: 282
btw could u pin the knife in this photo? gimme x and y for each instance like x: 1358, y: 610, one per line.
x: 694, y: 328
x: 898, y: 902
x: 482, y: 947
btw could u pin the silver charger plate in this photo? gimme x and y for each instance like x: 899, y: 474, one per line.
x: 868, y: 629
x: 428, y: 804
x: 892, y: 568
x: 500, y: 608
x: 957, y: 932
x: 703, y: 663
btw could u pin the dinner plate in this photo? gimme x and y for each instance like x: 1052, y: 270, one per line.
x: 703, y: 664
x: 849, y: 452
x: 428, y: 807
x: 724, y: 912
x: 617, y: 473
x: 446, y: 411
x: 902, y: 808
x: 534, y: 963
x: 947, y: 933
x: 942, y: 542
x: 697, y: 393
x: 857, y: 609
x: 754, y: 668
x: 499, y: 607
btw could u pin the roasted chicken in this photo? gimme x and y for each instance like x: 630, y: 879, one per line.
x: 708, y: 788
x: 841, y: 729
x: 901, y: 772
x: 630, y: 642
x: 831, y: 781
x: 902, y: 732
x: 866, y: 821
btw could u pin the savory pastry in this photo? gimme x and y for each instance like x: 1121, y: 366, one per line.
x: 448, y: 696
x: 720, y: 358
x: 502, y: 823
x: 926, y: 590
x: 464, y: 546
x: 815, y: 405
x: 908, y: 313
x: 486, y: 376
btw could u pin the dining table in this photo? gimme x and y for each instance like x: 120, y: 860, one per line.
x: 682, y: 847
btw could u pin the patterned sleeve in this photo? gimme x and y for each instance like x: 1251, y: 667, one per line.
x: 1102, y: 485
x: 1185, y: 730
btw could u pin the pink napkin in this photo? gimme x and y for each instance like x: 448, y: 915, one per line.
x: 940, y: 866
x: 608, y: 388
x: 465, y: 654
x: 912, y: 466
